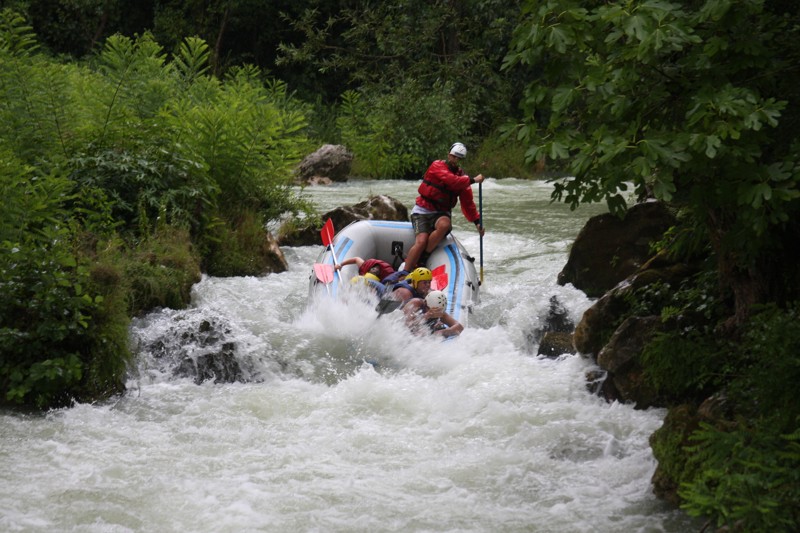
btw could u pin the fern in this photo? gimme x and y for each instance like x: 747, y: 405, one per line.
x: 191, y: 62
x: 17, y: 38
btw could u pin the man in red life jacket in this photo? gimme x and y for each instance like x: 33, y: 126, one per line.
x: 444, y: 184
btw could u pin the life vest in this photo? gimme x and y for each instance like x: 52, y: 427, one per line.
x: 436, y: 192
x: 407, y: 285
x: 386, y: 268
x: 379, y: 288
x: 394, y: 277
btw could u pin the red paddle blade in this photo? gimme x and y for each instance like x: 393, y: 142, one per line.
x: 439, y: 281
x: 327, y: 232
x: 323, y: 272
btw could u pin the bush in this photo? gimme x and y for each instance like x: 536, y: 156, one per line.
x: 51, y: 317
x: 500, y: 157
x: 240, y: 249
x: 742, y: 472
x: 749, y: 478
x: 398, y: 134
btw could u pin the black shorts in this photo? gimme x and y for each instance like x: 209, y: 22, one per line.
x: 426, y: 223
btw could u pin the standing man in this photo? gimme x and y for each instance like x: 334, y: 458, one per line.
x: 444, y: 184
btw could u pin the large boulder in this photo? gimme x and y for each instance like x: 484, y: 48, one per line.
x: 376, y: 207
x: 331, y: 162
x: 621, y: 358
x: 608, y: 333
x: 609, y: 249
x: 197, y: 345
x: 593, y: 330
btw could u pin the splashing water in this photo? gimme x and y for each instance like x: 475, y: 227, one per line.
x: 342, y: 421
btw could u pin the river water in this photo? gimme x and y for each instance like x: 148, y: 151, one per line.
x: 477, y: 434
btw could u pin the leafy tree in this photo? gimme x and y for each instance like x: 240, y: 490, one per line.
x: 391, y: 138
x: 421, y: 75
x: 448, y: 48
x: 693, y: 102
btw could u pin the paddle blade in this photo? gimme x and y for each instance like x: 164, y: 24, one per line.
x: 387, y: 305
x: 327, y: 232
x: 323, y: 272
x: 439, y: 281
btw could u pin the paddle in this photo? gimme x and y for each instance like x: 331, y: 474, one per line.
x: 480, y: 213
x: 327, y: 234
x: 439, y: 280
x: 387, y: 305
x: 324, y: 274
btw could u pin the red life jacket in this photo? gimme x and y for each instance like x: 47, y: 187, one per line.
x: 386, y: 268
x: 441, y: 189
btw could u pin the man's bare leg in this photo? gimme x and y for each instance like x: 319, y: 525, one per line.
x: 420, y: 243
x: 442, y: 228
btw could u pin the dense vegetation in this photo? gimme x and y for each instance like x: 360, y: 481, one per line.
x: 139, y: 145
x: 695, y: 104
x: 122, y: 178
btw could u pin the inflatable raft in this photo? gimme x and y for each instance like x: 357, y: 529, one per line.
x: 390, y: 241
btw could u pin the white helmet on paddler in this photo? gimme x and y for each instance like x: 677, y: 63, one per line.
x: 458, y: 150
x: 436, y: 300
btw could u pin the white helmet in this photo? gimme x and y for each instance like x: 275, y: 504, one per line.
x: 458, y: 150
x: 436, y: 299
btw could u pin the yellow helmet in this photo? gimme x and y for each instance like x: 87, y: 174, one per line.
x: 419, y: 274
x: 366, y: 278
x: 369, y: 276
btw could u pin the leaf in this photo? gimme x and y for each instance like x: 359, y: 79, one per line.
x: 558, y: 150
x: 558, y: 38
x: 712, y: 144
x: 663, y: 190
x: 562, y: 98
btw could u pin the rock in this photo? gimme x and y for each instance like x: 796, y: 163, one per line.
x: 555, y: 344
x: 376, y: 207
x: 331, y: 162
x: 620, y: 357
x: 272, y: 256
x: 593, y: 328
x: 608, y: 249
x: 554, y: 337
x: 666, y: 442
x: 670, y: 439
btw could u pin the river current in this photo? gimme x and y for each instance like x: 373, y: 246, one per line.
x: 473, y: 435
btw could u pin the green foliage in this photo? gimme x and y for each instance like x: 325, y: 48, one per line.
x: 768, y: 367
x: 16, y: 36
x: 48, y: 305
x: 398, y: 134
x: 240, y: 249
x: 161, y: 270
x: 742, y: 470
x: 684, y: 366
x: 500, y: 157
x: 116, y: 176
x: 686, y: 361
x: 411, y: 48
x: 366, y: 133
x: 694, y: 103
x: 248, y: 135
x: 749, y: 479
